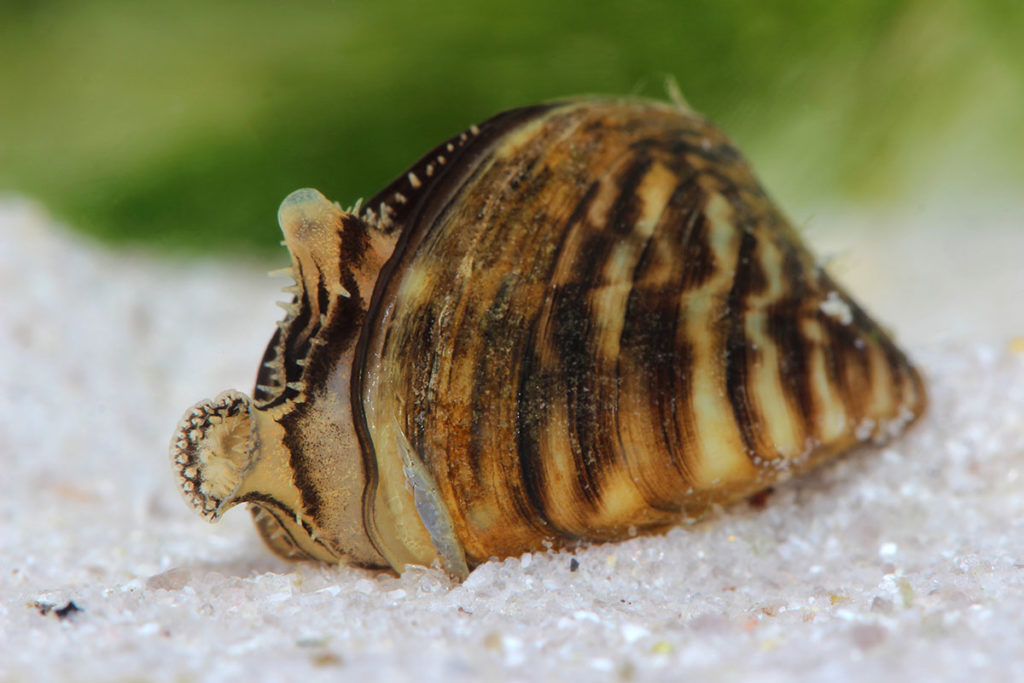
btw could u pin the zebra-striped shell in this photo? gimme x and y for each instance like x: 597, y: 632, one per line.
x: 575, y: 322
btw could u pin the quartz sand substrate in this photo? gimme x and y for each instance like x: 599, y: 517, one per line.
x: 894, y: 563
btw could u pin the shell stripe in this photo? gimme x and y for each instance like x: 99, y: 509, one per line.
x: 576, y: 321
x: 651, y: 333
x: 530, y: 395
x: 431, y: 202
x: 567, y: 330
x: 665, y: 350
x: 738, y: 354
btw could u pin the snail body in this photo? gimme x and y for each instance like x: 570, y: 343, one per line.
x: 575, y: 322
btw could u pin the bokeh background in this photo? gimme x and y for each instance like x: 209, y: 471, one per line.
x: 182, y: 125
x: 891, y: 131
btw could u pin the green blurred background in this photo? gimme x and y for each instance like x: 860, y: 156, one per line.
x: 181, y: 125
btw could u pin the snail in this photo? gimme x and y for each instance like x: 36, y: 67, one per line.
x: 574, y: 322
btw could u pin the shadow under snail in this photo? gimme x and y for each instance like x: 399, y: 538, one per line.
x: 574, y: 322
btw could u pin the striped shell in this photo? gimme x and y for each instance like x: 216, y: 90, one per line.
x: 574, y: 322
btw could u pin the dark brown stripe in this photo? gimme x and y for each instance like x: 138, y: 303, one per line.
x: 845, y: 348
x: 531, y: 414
x: 323, y: 297
x: 748, y: 279
x: 499, y: 344
x: 574, y: 328
x: 500, y: 336
x: 661, y: 368
x: 741, y: 185
x: 572, y: 335
x: 692, y: 140
x: 422, y: 370
x: 300, y: 463
x: 650, y: 336
x: 837, y: 345
x: 353, y: 243
x: 536, y: 387
x: 692, y: 234
x: 622, y: 216
x: 783, y: 327
x: 700, y: 262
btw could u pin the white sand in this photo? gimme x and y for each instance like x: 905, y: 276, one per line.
x: 894, y: 564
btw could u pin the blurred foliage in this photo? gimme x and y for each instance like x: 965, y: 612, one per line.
x: 182, y: 125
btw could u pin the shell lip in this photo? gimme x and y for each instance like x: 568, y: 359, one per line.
x: 212, y: 449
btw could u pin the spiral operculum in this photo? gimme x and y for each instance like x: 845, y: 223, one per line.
x: 212, y: 449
